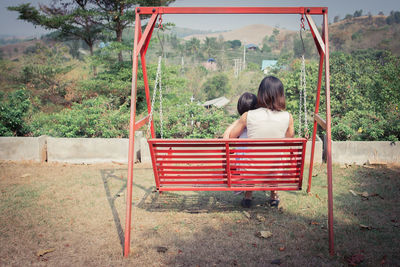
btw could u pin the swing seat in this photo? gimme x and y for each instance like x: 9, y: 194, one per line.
x: 228, y: 164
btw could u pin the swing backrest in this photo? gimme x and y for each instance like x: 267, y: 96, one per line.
x: 228, y: 164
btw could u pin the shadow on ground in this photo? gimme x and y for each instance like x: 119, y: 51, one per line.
x: 210, y: 228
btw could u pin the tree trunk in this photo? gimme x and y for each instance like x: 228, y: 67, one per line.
x: 91, y: 54
x: 119, y: 39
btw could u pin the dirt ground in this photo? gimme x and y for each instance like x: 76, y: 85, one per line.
x: 74, y: 215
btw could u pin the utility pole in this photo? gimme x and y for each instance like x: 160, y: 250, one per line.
x: 244, y: 54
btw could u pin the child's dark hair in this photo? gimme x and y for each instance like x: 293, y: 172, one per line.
x: 247, y: 101
x: 271, y: 94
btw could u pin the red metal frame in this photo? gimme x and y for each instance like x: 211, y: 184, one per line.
x: 141, y: 43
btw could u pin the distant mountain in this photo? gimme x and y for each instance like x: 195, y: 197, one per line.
x: 183, y: 32
x: 249, y: 34
x: 365, y: 32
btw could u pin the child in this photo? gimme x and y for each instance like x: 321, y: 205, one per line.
x: 247, y: 101
x: 269, y: 120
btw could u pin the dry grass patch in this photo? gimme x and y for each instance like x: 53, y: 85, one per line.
x: 75, y: 215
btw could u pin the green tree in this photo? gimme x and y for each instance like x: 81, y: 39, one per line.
x: 216, y: 86
x: 71, y: 19
x: 210, y: 45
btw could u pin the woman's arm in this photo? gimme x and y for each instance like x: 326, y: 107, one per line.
x: 229, y: 129
x: 238, y: 128
x: 290, y: 130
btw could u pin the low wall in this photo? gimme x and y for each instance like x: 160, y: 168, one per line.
x: 100, y: 150
x: 360, y: 152
x: 91, y: 150
x: 23, y: 148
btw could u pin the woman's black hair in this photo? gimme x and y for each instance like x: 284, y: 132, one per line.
x: 271, y: 94
x: 247, y: 101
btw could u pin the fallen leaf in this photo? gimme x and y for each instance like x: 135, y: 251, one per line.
x: 264, y: 234
x: 44, y: 252
x: 353, y: 193
x: 277, y: 262
x: 25, y: 175
x: 314, y: 223
x: 248, y: 216
x: 316, y: 195
x: 354, y: 260
x: 162, y: 249
x: 254, y: 245
x: 282, y: 248
x: 180, y: 251
x: 365, y: 194
x: 260, y: 218
x: 365, y: 227
x: 230, y: 234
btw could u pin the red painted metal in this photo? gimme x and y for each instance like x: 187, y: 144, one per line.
x: 328, y: 139
x: 141, y: 123
x: 232, y: 10
x: 146, y: 34
x: 131, y: 143
x: 230, y: 162
x: 314, y: 135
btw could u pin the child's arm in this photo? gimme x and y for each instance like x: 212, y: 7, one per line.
x: 290, y: 130
x: 238, y: 128
x: 229, y: 129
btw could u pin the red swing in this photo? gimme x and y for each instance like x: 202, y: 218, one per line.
x: 228, y: 164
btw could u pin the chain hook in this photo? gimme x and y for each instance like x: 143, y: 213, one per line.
x: 302, y: 25
x: 160, y: 26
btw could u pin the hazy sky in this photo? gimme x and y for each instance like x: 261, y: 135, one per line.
x: 9, y: 24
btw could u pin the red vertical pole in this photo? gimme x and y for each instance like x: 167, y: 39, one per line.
x: 328, y: 138
x: 131, y: 141
x: 314, y: 135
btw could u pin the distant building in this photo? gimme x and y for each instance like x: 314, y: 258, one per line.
x: 267, y: 65
x: 211, y: 64
x: 251, y: 47
x: 216, y: 102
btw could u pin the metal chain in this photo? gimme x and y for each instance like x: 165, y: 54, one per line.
x: 161, y: 99
x: 303, y: 85
x: 157, y: 82
x: 304, y: 89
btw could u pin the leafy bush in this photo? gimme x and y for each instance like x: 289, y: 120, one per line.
x: 13, y: 110
x: 93, y: 118
x: 190, y: 120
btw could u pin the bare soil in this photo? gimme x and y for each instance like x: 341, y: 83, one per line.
x: 74, y: 215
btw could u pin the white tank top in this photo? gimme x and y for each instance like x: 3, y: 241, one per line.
x: 265, y: 123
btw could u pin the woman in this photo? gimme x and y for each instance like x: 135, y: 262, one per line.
x: 269, y: 120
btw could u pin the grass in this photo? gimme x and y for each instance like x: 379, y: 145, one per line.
x: 77, y: 212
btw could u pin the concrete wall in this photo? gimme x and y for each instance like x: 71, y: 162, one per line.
x: 361, y: 152
x: 91, y: 150
x: 23, y: 148
x: 97, y: 150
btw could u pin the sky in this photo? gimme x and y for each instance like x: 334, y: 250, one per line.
x: 10, y: 25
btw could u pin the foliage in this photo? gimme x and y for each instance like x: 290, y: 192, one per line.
x: 364, y: 94
x: 72, y: 19
x: 216, y: 86
x: 42, y: 73
x: 96, y: 117
x: 394, y: 17
x: 13, y: 111
x: 190, y: 120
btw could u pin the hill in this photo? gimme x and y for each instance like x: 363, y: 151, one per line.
x: 365, y: 32
x: 248, y: 34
